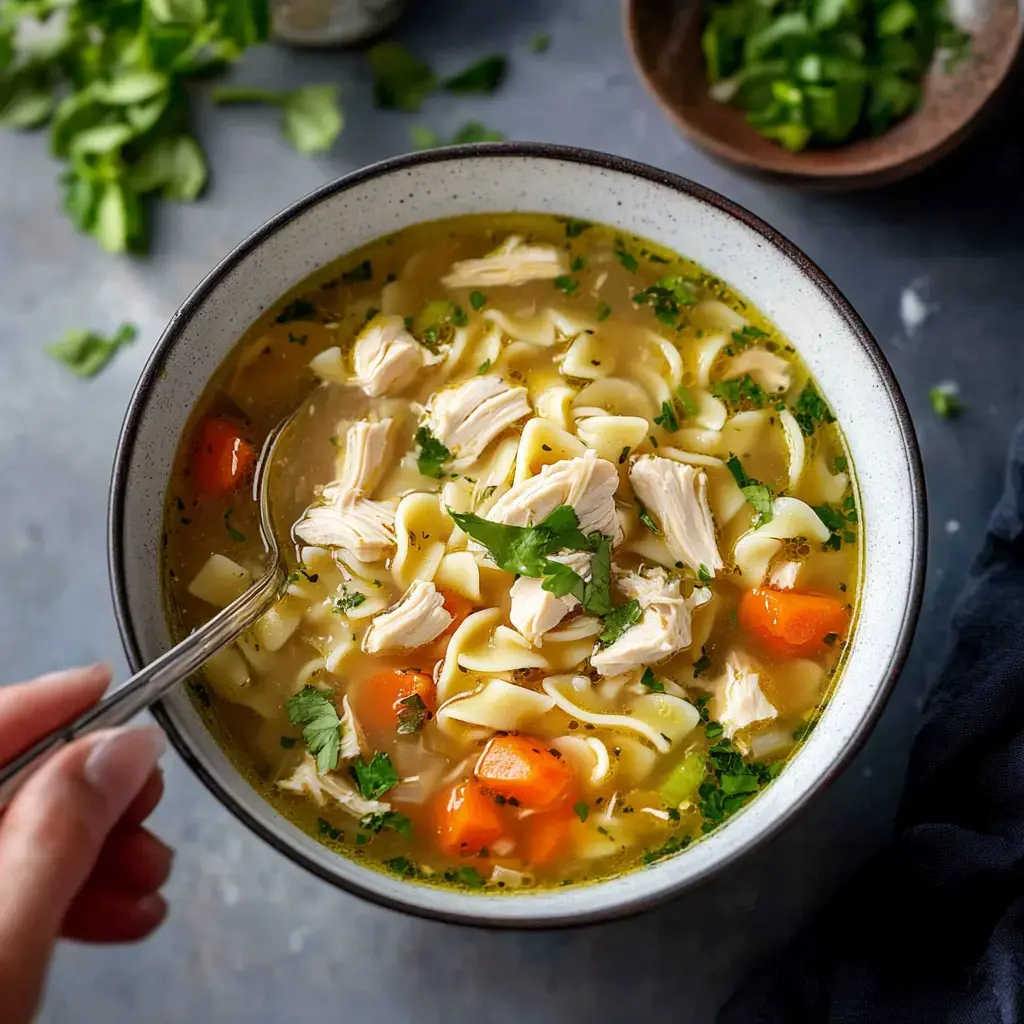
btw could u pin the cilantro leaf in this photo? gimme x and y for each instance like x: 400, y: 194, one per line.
x: 574, y: 228
x: 401, y: 866
x: 85, y: 352
x: 348, y: 600
x: 433, y: 454
x: 566, y: 283
x: 667, y: 420
x: 311, y: 115
x: 650, y: 682
x: 945, y: 401
x: 477, y: 300
x: 603, y: 310
x: 758, y: 496
x: 482, y: 77
x: 625, y: 257
x: 412, y: 714
x: 374, y: 777
x: 376, y: 821
x: 666, y: 297
x: 687, y: 403
x: 467, y: 876
x: 810, y: 409
x: 618, y: 620
x: 400, y: 80
x: 321, y: 730
x: 233, y: 532
x: 297, y: 309
x: 646, y: 519
x: 740, y: 390
x: 582, y: 810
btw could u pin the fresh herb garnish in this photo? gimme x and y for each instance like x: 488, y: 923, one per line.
x: 374, y: 777
x: 297, y: 339
x: 618, y: 620
x: 401, y: 866
x: 838, y: 522
x: 321, y: 726
x: 758, y: 496
x: 327, y: 831
x: 483, y: 367
x: 713, y: 730
x: 412, y: 714
x: 646, y: 519
x: 362, y: 271
x: 603, y: 311
x: 840, y: 464
x: 730, y: 782
x: 745, y: 337
x: 481, y: 78
x: 400, y: 80
x: 810, y: 409
x: 625, y: 257
x: 85, y: 352
x: 297, y: 309
x: 672, y: 845
x: 945, y: 401
x: 348, y: 600
x: 702, y: 664
x: 740, y: 391
x: 233, y: 532
x: 582, y: 810
x: 574, y: 228
x: 467, y: 876
x: 666, y: 297
x: 311, y: 116
x: 287, y: 742
x: 566, y: 283
x: 686, y: 402
x: 650, y: 682
x: 376, y: 821
x: 477, y: 300
x: 667, y: 420
x: 433, y: 454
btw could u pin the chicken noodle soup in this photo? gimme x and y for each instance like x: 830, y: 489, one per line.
x: 574, y: 553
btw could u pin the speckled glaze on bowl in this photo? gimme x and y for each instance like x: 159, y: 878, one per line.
x: 502, y: 177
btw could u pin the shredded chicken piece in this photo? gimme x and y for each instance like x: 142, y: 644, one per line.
x: 772, y: 372
x: 364, y: 527
x: 514, y: 262
x: 587, y: 483
x: 467, y: 417
x: 677, y: 495
x: 365, y: 445
x: 534, y: 610
x: 739, y: 700
x: 783, y: 575
x: 663, y: 629
x: 386, y: 357
x: 306, y: 779
x: 352, y: 740
x: 419, y: 617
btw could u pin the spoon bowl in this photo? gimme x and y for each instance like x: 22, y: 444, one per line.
x: 664, y: 38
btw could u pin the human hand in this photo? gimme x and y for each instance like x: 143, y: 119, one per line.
x: 75, y: 861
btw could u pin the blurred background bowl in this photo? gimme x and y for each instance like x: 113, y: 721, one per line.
x: 664, y: 37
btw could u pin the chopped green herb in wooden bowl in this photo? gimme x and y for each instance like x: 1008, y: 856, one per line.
x: 843, y: 93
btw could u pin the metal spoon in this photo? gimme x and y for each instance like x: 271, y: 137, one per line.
x: 157, y: 678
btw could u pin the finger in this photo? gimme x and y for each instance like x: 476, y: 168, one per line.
x: 134, y: 860
x: 28, y: 711
x: 51, y: 837
x: 142, y: 806
x: 103, y: 914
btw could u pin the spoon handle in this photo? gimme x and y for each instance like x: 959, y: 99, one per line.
x: 151, y: 683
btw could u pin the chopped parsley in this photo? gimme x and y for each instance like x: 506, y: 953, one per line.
x: 348, y: 600
x: 667, y: 420
x: 297, y: 339
x: 687, y: 403
x: 85, y: 352
x: 582, y: 810
x: 566, y: 283
x: 666, y: 297
x: 745, y: 337
x: 758, y: 496
x: 618, y: 620
x: 233, y: 532
x: 412, y: 714
x: 945, y: 401
x: 646, y: 519
x: 840, y: 464
x: 672, y: 845
x: 401, y: 866
x: 810, y: 409
x: 467, y: 876
x: 740, y: 391
x: 374, y: 777
x: 433, y: 454
x: 477, y: 300
x: 703, y: 573
x: 730, y: 782
x: 321, y: 726
x: 360, y: 272
x: 434, y: 322
x: 624, y: 454
x: 483, y: 367
x: 603, y: 311
x: 804, y: 730
x: 650, y: 682
x: 625, y: 257
x: 287, y: 742
x: 327, y: 831
x: 578, y: 264
x: 297, y: 309
x: 376, y: 821
x: 702, y: 664
x: 713, y: 730
x: 838, y: 521
x: 574, y: 228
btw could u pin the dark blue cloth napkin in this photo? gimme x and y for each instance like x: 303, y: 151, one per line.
x: 932, y: 929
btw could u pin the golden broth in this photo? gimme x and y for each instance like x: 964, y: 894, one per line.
x: 689, y: 330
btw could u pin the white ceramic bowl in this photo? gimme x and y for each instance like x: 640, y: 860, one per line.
x: 722, y: 237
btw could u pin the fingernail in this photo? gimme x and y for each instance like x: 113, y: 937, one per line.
x: 152, y: 906
x: 123, y: 759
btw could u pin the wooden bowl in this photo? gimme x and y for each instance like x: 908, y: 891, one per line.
x: 664, y: 36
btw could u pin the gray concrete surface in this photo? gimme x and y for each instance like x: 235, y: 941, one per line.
x: 253, y: 938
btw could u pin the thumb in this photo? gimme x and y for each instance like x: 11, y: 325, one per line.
x: 50, y: 839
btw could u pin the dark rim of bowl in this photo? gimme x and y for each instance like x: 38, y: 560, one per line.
x: 545, y: 151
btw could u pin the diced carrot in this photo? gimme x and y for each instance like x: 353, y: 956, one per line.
x: 222, y: 458
x: 377, y: 701
x: 466, y: 820
x: 792, y: 624
x: 458, y: 607
x: 521, y: 768
x: 545, y: 835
